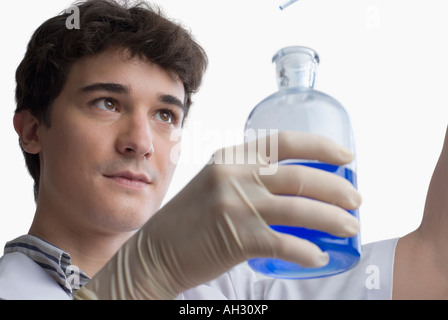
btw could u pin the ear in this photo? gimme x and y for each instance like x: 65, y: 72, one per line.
x: 26, y: 126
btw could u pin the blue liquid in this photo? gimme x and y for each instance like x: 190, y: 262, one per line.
x: 344, y: 252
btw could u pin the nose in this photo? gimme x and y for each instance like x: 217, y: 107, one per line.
x: 135, y: 138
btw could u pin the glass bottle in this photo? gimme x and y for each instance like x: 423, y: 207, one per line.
x: 297, y: 106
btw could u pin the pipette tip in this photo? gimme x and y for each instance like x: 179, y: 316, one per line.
x: 286, y: 4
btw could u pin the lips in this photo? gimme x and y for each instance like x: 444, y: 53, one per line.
x: 129, y: 179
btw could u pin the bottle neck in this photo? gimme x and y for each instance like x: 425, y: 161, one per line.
x: 295, y: 67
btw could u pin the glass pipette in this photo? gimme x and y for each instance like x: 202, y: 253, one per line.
x: 286, y: 4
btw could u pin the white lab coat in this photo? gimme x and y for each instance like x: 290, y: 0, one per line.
x: 21, y: 278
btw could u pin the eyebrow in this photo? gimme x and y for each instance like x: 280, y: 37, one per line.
x: 119, y: 88
x: 100, y: 86
x: 170, y: 99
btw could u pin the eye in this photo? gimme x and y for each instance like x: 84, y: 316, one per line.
x: 165, y: 116
x: 107, y: 104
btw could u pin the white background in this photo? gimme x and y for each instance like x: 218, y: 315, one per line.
x: 385, y: 60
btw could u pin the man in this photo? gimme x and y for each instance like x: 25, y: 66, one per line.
x: 97, y: 108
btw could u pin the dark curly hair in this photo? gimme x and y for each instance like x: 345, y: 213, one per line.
x: 139, y: 28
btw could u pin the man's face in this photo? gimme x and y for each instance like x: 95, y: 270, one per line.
x: 105, y: 160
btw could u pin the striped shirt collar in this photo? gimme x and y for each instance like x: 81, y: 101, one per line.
x: 52, y: 259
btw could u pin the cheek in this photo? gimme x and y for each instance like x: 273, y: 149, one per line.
x: 71, y: 151
x: 166, y: 155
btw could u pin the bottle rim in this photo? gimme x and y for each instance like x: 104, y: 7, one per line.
x: 296, y: 49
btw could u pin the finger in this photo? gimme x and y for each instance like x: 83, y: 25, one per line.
x: 308, y: 213
x: 300, y: 145
x: 300, y: 251
x: 312, y: 183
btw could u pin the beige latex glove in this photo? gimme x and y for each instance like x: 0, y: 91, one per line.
x: 222, y: 217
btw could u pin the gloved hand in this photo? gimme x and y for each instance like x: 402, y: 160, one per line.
x: 222, y: 217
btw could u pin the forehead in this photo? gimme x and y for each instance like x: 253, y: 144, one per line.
x: 118, y: 66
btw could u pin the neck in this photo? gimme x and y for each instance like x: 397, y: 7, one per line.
x: 88, y: 250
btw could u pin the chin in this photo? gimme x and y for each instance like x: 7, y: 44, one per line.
x: 122, y: 218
